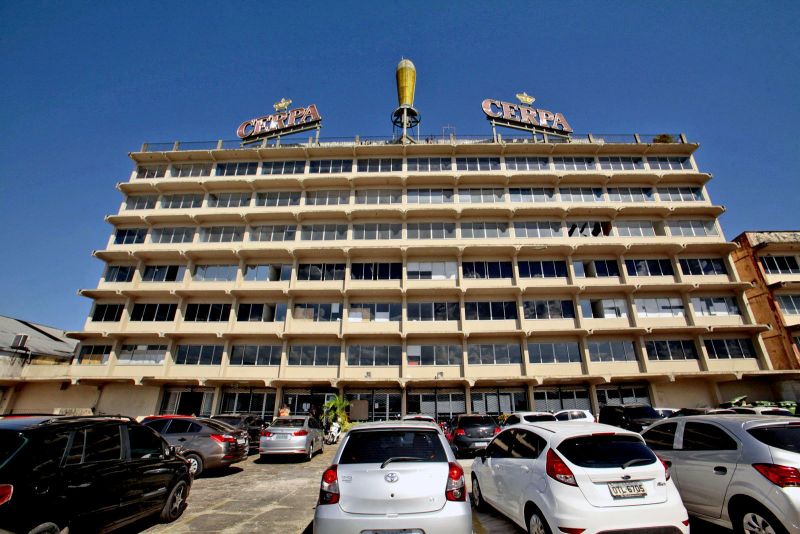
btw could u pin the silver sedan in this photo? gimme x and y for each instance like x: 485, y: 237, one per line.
x: 292, y: 435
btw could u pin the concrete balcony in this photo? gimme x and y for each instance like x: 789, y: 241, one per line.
x: 250, y: 372
x: 548, y: 370
x: 310, y: 372
x: 304, y: 326
x: 372, y: 328
x: 432, y: 371
x: 375, y: 372
x: 732, y: 365
x: 490, y: 327
x: 719, y: 320
x: 661, y: 322
x: 475, y: 370
x: 433, y: 327
x: 673, y: 366
x: 195, y: 371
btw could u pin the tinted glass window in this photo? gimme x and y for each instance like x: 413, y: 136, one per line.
x: 500, y: 447
x: 705, y: 437
x: 606, y: 451
x: 216, y: 426
x: 233, y: 421
x: 75, y: 452
x: 526, y: 444
x: 641, y: 412
x: 513, y: 420
x: 145, y: 443
x: 10, y: 443
x: 102, y: 444
x: 536, y: 418
x: 479, y: 420
x: 288, y: 423
x: 661, y: 437
x: 157, y: 424
x: 782, y: 437
x: 380, y: 445
x: 48, y: 451
x: 182, y: 426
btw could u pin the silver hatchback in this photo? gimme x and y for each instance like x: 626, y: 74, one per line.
x: 292, y: 435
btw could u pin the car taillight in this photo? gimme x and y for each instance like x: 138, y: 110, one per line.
x: 666, y: 467
x: 558, y: 470
x: 460, y: 432
x: 329, y: 487
x: 6, y: 491
x: 456, y: 489
x: 223, y: 438
x: 300, y: 433
x: 266, y: 433
x: 780, y: 475
x: 497, y: 430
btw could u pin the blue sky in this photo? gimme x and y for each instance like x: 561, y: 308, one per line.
x: 85, y: 83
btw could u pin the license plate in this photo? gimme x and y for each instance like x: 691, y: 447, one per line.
x: 626, y: 490
x: 240, y: 441
x: 281, y: 436
x: 480, y: 444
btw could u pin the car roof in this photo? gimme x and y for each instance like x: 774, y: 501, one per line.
x: 20, y: 423
x: 532, y: 413
x: 741, y: 420
x: 559, y: 431
x: 390, y: 425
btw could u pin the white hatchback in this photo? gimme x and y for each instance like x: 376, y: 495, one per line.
x: 394, y: 477
x: 577, y: 478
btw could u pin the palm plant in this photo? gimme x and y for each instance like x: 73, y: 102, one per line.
x: 337, y: 406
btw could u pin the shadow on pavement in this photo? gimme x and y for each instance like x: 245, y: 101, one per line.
x: 309, y: 529
x: 281, y: 459
x: 220, y: 472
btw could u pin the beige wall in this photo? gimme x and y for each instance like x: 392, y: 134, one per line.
x: 126, y: 399
x: 754, y: 389
x: 696, y: 393
x: 48, y: 396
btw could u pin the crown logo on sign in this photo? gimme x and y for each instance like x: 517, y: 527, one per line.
x: 525, y: 98
x: 282, y: 105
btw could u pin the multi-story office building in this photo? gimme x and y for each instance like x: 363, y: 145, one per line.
x: 452, y: 276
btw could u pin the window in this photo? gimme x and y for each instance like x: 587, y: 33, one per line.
x: 221, y: 234
x: 237, y: 168
x: 790, y: 304
x: 548, y: 309
x: 715, y: 306
x: 431, y: 230
x: 595, y: 268
x: 154, y: 312
x: 611, y: 351
x: 655, y: 267
x: 434, y: 354
x: 431, y: 270
x: 273, y: 232
x: 142, y: 354
x: 379, y: 196
x: 526, y: 444
x: 581, y: 194
x: 478, y: 164
x: 680, y: 194
x: 181, y: 426
x: 659, y: 307
x: 692, y: 228
x: 380, y: 165
x: 228, y: 200
x: 322, y: 313
x: 588, y: 228
x: 780, y: 264
x: 374, y: 354
x: 119, y: 273
x: 376, y: 271
x: 107, y: 312
x: 378, y: 312
x: 730, y: 348
x: 208, y: 312
x: 532, y: 194
x: 145, y: 443
x: 378, y: 231
x: 256, y: 355
x: 630, y: 194
x: 527, y: 164
x: 278, y: 198
x: 621, y: 163
x: 487, y: 269
x: 430, y: 196
x: 483, y: 230
x: 604, y: 308
x: 481, y: 196
x: 320, y: 271
x: 494, y: 354
x: 635, y: 229
x: 330, y: 166
x: 323, y: 232
x: 151, y: 171
x: 703, y: 266
x: 661, y: 437
x: 190, y: 170
x: 677, y: 349
x: 103, y: 444
x: 433, y: 311
x: 564, y: 352
x: 199, y: 355
x: 283, y: 167
x: 314, y: 355
x: 163, y: 273
x: 267, y: 272
x: 542, y: 269
x: 669, y: 163
x: 574, y: 164
x: 215, y: 273
x: 490, y: 310
x: 173, y: 235
x: 536, y: 229
x: 265, y: 313
x: 94, y: 354
x: 331, y: 197
x: 706, y: 437
x: 130, y: 236
x: 182, y: 201
x: 429, y: 164
x: 140, y: 202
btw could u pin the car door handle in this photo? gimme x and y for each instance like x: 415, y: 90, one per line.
x: 720, y: 470
x: 78, y: 486
x: 524, y: 468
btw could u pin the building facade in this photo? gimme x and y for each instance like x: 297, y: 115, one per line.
x: 446, y: 277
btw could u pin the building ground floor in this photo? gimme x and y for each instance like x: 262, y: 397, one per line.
x: 386, y: 400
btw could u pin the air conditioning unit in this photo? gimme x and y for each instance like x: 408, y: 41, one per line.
x: 20, y: 342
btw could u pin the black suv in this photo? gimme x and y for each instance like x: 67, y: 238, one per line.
x: 251, y: 424
x: 635, y: 417
x: 86, y: 474
x: 472, y: 433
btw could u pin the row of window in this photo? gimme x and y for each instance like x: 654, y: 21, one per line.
x: 373, y: 165
x: 780, y: 264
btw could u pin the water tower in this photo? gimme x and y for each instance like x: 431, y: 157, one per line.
x: 405, y: 117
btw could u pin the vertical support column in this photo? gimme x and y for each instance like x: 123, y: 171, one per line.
x: 702, y: 354
x: 531, y: 400
x: 468, y: 398
x: 593, y: 400
x: 641, y: 354
x: 403, y: 400
x: 216, y: 400
x: 278, y: 401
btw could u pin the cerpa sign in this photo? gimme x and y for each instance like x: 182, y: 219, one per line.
x: 282, y: 122
x: 525, y: 117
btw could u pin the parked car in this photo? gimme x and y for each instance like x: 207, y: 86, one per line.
x: 762, y: 410
x: 529, y: 417
x: 584, y: 416
x: 582, y: 477
x: 204, y: 442
x: 738, y: 471
x: 292, y: 435
x: 665, y: 412
x: 393, y: 477
x: 629, y: 416
x: 472, y: 433
x: 685, y: 412
x: 418, y: 417
x: 252, y: 424
x: 86, y: 474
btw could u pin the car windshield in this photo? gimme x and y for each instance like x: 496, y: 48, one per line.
x: 288, y: 423
x: 641, y: 412
x: 10, y: 443
x: 777, y: 411
x: 230, y: 420
x: 786, y: 437
x: 542, y: 417
x: 478, y: 420
x: 606, y: 451
x: 218, y: 426
x: 377, y: 446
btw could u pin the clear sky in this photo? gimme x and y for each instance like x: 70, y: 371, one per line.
x: 85, y: 83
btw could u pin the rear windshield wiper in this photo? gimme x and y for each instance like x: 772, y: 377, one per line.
x: 401, y: 459
x: 636, y: 461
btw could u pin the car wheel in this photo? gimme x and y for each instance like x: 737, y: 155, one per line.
x: 176, y: 502
x: 758, y: 520
x: 477, y: 496
x: 537, y: 524
x: 46, y: 528
x: 195, y: 465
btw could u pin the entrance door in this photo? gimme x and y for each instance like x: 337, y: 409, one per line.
x: 190, y: 403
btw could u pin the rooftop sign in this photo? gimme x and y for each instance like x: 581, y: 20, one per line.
x: 282, y: 122
x: 523, y: 116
